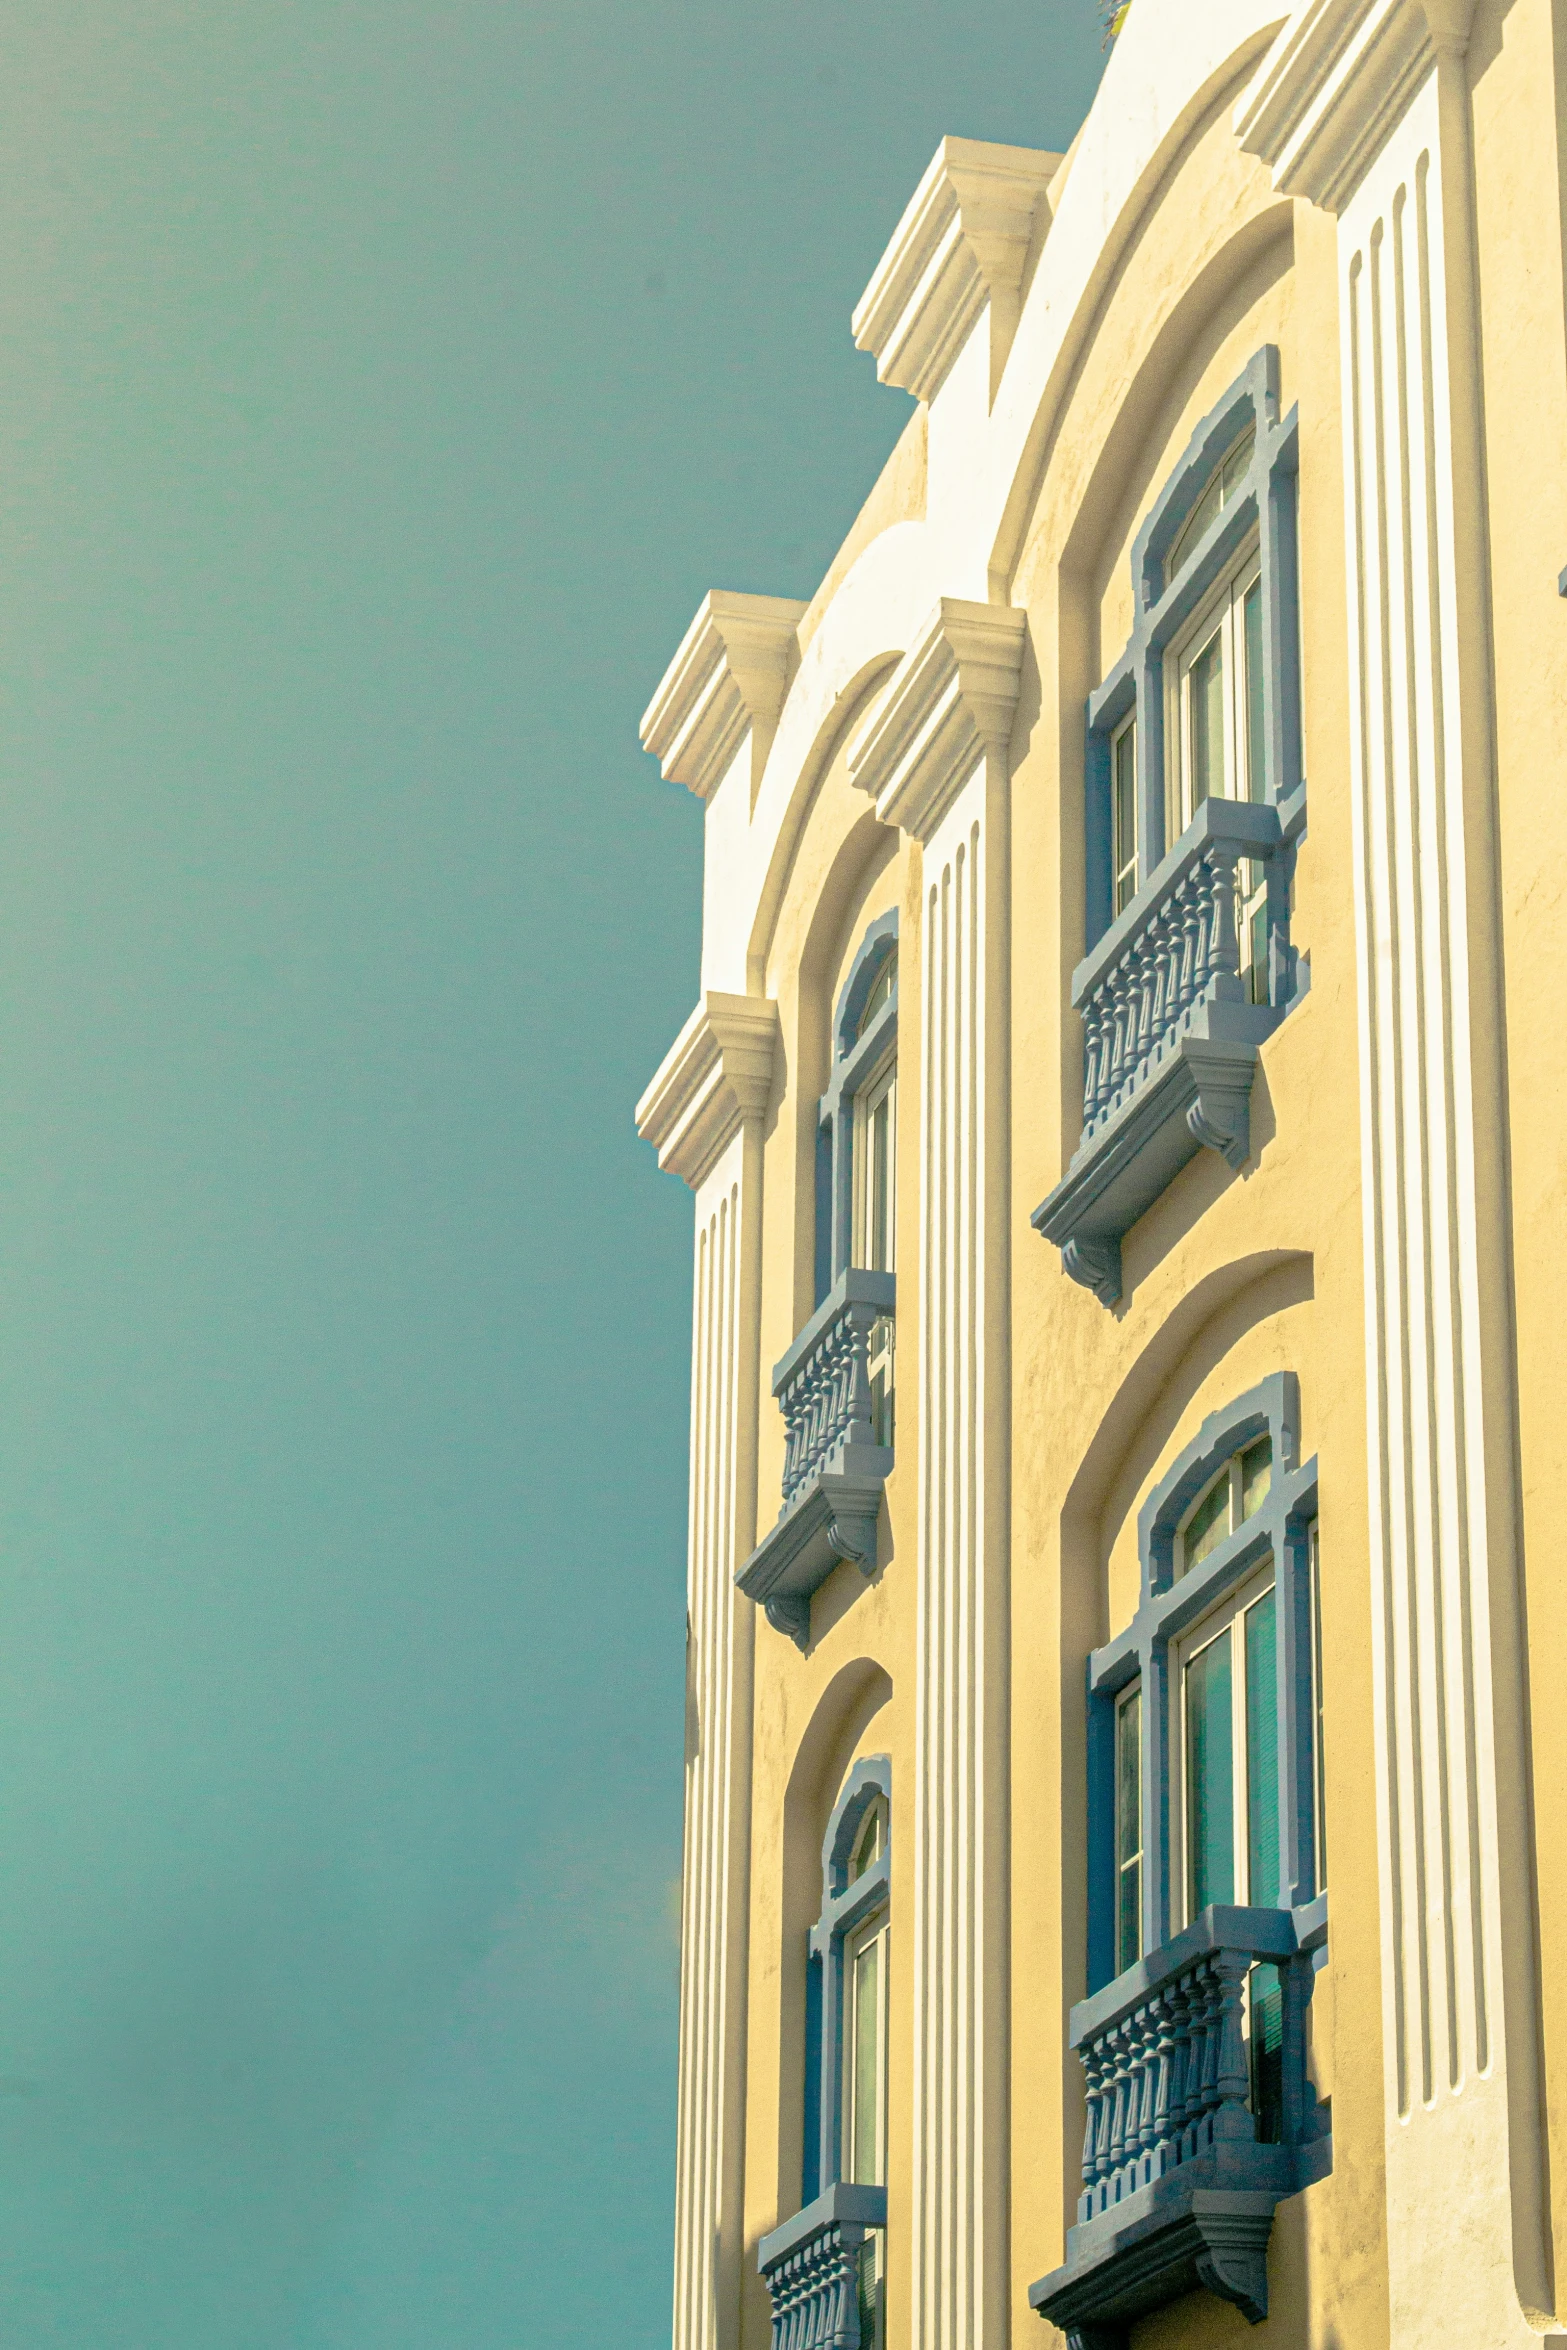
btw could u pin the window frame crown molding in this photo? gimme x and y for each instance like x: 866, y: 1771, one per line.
x: 950, y: 703
x: 1338, y: 78
x: 728, y: 677
x: 963, y: 241
x: 716, y: 1075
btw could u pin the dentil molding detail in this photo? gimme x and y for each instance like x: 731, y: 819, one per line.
x: 962, y: 242
x: 728, y: 677
x: 949, y: 704
x: 717, y: 1073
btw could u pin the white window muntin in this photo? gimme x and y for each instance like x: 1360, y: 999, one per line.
x: 1241, y: 1487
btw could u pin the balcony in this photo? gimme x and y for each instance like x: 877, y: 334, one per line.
x: 815, y: 2269
x: 1174, y: 1007
x: 835, y: 1387
x: 1201, y: 2118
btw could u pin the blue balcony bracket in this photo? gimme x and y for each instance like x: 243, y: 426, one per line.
x: 834, y: 1465
x: 813, y: 2267
x: 1171, y: 1028
x: 1200, y: 2119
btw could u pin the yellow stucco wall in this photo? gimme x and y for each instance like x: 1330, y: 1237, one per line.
x: 1230, y: 1276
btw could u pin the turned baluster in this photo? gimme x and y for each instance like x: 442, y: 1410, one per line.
x: 1115, y: 1057
x: 1183, y: 2074
x: 1119, y: 2091
x: 1093, y: 2082
x: 1226, y: 950
x: 1205, y: 2018
x: 1189, y: 910
x: 859, y: 1411
x: 1234, y: 2118
x: 1164, y: 2075
x: 1093, y: 1023
x: 1164, y: 952
x: 1147, y: 2078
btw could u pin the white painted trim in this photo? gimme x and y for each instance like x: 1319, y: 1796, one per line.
x: 950, y: 703
x: 716, y: 1074
x: 726, y: 681
x: 962, y: 243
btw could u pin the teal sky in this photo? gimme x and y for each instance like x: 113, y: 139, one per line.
x: 381, y: 384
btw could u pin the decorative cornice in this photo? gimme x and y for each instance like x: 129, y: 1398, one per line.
x: 717, y: 1073
x: 1334, y: 84
x: 728, y: 676
x: 949, y: 704
x: 963, y: 241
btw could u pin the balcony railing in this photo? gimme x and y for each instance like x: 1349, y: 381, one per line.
x: 815, y: 2270
x: 1175, y: 1000
x: 835, y: 1388
x: 1200, y: 2117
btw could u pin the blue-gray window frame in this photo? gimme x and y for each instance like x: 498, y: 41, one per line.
x: 845, y: 1907
x: 855, y: 1059
x: 1167, y: 1608
x: 1266, y: 503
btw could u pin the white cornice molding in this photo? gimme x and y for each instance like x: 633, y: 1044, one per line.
x: 963, y: 241
x: 716, y: 1074
x: 1334, y: 84
x: 728, y: 677
x: 949, y: 703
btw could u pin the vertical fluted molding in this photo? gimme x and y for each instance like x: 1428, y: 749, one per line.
x: 1465, y: 2227
x: 959, y: 2218
x: 709, y: 2180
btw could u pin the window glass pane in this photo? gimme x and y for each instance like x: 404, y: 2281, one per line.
x: 865, y: 2152
x: 1129, y: 1830
x: 1205, y: 685
x: 1210, y: 1778
x: 868, y: 1844
x: 879, y: 1219
x: 1262, y: 1755
x: 1208, y: 1524
x: 1224, y: 483
x: 1265, y: 2023
x: 1256, y: 1475
x: 881, y: 991
x: 1124, y: 850
x: 1237, y: 464
x: 872, y: 2293
x: 1256, y: 762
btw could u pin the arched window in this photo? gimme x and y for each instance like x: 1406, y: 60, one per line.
x: 857, y: 1146
x: 848, y: 1961
x: 856, y: 1194
x: 1206, y: 1910
x: 1203, y: 1713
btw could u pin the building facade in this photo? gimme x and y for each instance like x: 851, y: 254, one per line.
x: 1125, y: 1115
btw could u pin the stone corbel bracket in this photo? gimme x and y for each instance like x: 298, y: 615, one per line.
x: 716, y: 1074
x: 963, y: 242
x: 727, y: 680
x: 950, y: 703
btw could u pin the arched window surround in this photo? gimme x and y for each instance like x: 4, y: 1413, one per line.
x: 1168, y: 1607
x: 1263, y: 505
x: 846, y: 1905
